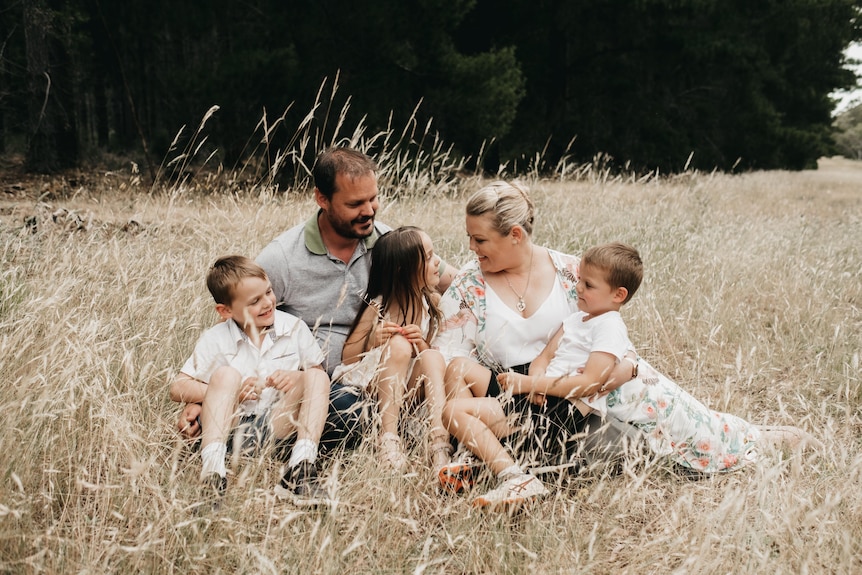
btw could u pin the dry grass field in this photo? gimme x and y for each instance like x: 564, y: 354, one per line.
x: 751, y: 301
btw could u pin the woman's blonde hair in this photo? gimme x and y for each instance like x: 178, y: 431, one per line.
x: 509, y: 204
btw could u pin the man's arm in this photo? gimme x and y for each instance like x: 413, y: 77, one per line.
x: 185, y: 388
x: 447, y: 274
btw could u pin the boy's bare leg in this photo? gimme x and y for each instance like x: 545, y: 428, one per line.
x: 303, y: 409
x: 218, y: 416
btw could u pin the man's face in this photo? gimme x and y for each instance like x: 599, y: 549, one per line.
x: 351, y: 210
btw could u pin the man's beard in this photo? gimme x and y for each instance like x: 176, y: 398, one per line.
x: 346, y: 229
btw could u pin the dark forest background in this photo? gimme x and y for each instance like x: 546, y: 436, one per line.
x: 656, y: 84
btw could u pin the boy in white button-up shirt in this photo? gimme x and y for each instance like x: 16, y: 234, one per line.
x: 259, y: 371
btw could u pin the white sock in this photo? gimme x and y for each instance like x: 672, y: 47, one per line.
x: 303, y: 450
x: 511, y: 471
x: 213, y: 456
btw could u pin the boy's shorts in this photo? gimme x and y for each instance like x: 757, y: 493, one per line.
x: 253, y: 436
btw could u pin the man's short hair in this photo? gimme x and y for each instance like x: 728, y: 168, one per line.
x: 225, y: 274
x: 621, y: 263
x: 340, y: 160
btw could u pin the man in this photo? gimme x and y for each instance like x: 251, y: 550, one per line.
x: 319, y: 272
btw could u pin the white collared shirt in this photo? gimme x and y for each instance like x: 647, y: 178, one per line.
x: 288, y: 346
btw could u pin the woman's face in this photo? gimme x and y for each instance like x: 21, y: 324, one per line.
x: 493, y: 249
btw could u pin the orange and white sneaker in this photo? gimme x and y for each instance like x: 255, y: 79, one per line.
x: 456, y: 477
x: 516, y: 490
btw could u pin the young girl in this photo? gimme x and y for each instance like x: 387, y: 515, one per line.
x: 389, y: 343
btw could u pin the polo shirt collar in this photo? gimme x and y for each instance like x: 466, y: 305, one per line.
x: 314, y: 241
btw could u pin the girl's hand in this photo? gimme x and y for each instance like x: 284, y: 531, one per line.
x: 282, y: 380
x: 249, y: 390
x: 385, y: 330
x: 413, y: 333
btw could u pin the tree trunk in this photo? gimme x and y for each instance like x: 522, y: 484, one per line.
x: 53, y: 142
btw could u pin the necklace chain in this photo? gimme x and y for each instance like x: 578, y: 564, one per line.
x: 522, y: 305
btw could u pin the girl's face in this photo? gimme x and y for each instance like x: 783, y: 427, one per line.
x: 492, y: 249
x: 432, y: 262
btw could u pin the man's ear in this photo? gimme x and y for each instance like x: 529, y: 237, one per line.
x: 620, y: 295
x: 322, y: 201
x: 223, y: 311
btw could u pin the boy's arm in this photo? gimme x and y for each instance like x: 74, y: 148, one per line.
x: 586, y: 384
x: 539, y: 365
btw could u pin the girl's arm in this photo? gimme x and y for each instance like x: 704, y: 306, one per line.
x: 357, y: 339
x: 596, y: 371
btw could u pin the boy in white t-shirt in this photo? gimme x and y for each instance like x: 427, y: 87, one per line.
x: 259, y: 371
x: 577, y: 361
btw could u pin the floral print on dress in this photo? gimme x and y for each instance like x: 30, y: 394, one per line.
x: 679, y: 426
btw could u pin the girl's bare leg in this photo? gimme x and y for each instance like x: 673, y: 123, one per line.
x: 466, y: 378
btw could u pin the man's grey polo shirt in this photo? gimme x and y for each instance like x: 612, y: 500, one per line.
x: 321, y: 289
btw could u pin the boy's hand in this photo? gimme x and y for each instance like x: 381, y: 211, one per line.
x: 250, y: 389
x: 515, y: 383
x: 188, y: 424
x: 282, y: 380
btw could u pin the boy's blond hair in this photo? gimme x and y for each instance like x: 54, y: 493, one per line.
x: 621, y: 263
x: 226, y: 273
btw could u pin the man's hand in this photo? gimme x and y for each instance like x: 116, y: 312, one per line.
x: 188, y: 424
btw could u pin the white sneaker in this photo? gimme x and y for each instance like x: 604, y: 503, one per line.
x: 515, y: 490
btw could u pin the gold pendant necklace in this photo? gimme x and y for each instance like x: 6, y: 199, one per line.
x: 522, y: 305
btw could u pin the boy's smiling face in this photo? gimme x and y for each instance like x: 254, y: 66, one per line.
x: 252, y: 306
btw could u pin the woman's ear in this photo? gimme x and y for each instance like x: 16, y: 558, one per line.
x: 517, y: 234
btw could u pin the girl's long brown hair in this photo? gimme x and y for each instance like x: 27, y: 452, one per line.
x: 397, y: 276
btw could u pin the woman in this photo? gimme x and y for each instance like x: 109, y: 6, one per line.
x: 500, y: 312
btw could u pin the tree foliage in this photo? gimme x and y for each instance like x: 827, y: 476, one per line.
x: 648, y: 82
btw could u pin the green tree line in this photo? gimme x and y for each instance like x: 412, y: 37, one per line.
x: 656, y: 84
